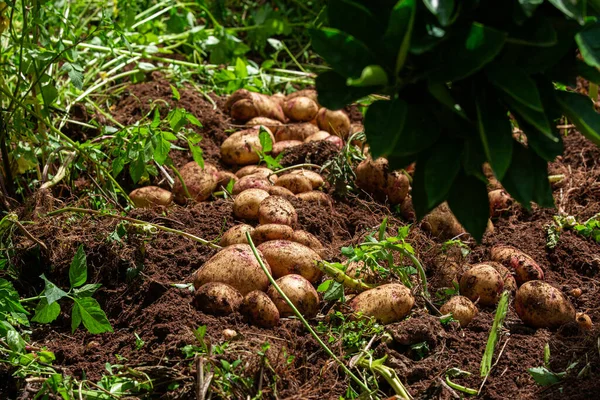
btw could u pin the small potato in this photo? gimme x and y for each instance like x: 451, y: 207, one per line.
x: 217, y: 298
x: 296, y: 131
x: 463, y: 310
x: 260, y: 310
x: 510, y: 283
x: 316, y: 197
x: 250, y: 182
x: 316, y: 137
x: 277, y: 210
x: 300, y: 292
x: 236, y: 266
x: 584, y: 321
x: 241, y: 147
x: 224, y: 177
x: 543, y: 306
x: 500, y: 201
x: 308, y: 240
x: 150, y: 196
x: 264, y: 233
x: 300, y: 109
x: 441, y: 223
x: 397, y: 187
x: 338, y: 141
x: 286, y: 257
x: 294, y: 183
x: 371, y: 176
x: 310, y: 93
x: 482, y: 282
x: 448, y: 268
x: 281, y: 191
x: 245, y: 204
x: 236, y: 235
x: 524, y: 267
x: 244, y: 105
x: 407, y: 211
x: 257, y: 172
x: 386, y: 303
x: 335, y: 122
x: 283, y: 145
x: 273, y: 125
x: 200, y: 182
x: 316, y: 180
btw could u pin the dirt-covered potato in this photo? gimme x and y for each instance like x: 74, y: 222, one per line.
x: 281, y: 191
x: 524, y: 267
x: 386, y: 303
x: 244, y: 105
x: 397, y: 187
x: 317, y: 137
x: 482, y: 283
x: 277, y: 210
x: 309, y: 240
x: 296, y: 131
x: 335, y: 122
x: 449, y: 266
x: 217, y: 298
x: 283, y: 145
x: 358, y: 270
x: 300, y: 109
x: 294, y: 183
x: 224, y: 177
x: 279, y: 98
x: 316, y: 180
x: 250, y: 182
x: 257, y: 172
x: 441, y: 223
x: 463, y: 310
x: 247, y: 170
x: 584, y: 321
x: 235, y: 235
x: 236, y: 266
x: 338, y: 141
x: 500, y: 201
x: 286, y: 257
x: 316, y: 196
x: 510, y: 283
x: 371, y: 176
x: 273, y: 125
x: 264, y: 233
x: 300, y: 292
x: 310, y: 93
x: 150, y: 196
x: 241, y: 147
x: 407, y: 211
x: 260, y: 310
x: 245, y: 204
x: 543, y: 306
x: 200, y: 182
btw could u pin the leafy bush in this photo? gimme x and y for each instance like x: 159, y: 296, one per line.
x: 460, y: 76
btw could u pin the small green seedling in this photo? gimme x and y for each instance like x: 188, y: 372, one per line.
x: 264, y: 153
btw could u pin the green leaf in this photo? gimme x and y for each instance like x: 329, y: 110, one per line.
x: 440, y: 169
x: 543, y: 377
x: 398, y: 36
x: 537, y: 32
x: 196, y: 154
x: 442, y: 94
x: 10, y: 301
x: 372, y: 75
x: 177, y: 119
x: 334, y: 292
x: 51, y: 291
x: 488, y: 355
x: 49, y: 94
x: 323, y: 287
x: 117, y: 165
x: 468, y: 200
x: 15, y: 341
x: 343, y: 52
x: 535, y: 118
x: 544, y: 147
x: 137, y: 169
x: 75, y: 74
x: 529, y: 6
x: 78, y: 268
x: 588, y: 41
x: 176, y: 94
x: 333, y: 92
x: 442, y: 9
x: 46, y: 313
x: 266, y: 143
x: 193, y: 120
x: 571, y: 8
x: 384, y: 124
x: 580, y: 111
x: 356, y: 19
x: 465, y: 55
x: 516, y: 83
x: 588, y: 73
x: 88, y: 311
x: 161, y: 151
x: 87, y: 290
x: 155, y: 119
x: 495, y: 132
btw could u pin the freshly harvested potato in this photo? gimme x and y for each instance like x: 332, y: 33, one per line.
x: 371, y: 176
x: 338, y: 141
x: 308, y: 240
x: 250, y: 182
x: 397, y: 187
x: 407, y: 211
x: 294, y: 183
x: 296, y: 131
x: 273, y: 125
x: 236, y: 266
x: 358, y: 270
x: 281, y: 191
x: 150, y: 196
x: 316, y: 180
x: 200, y: 182
x: 525, y: 268
x: 245, y: 204
x: 317, y: 137
x: 277, y: 210
x: 279, y: 98
x: 300, y: 109
x: 283, y: 145
x: 264, y: 233
x: 463, y: 310
x: 386, y: 303
x: 510, y: 283
x: 258, y: 172
x: 310, y: 93
x: 241, y: 147
x: 441, y: 223
x: 300, y: 292
x: 224, y: 177
x: 543, y: 306
x: 335, y: 122
x: 244, y: 105
x: 260, y: 309
x: 482, y: 282
x: 448, y: 267
x: 584, y: 321
x: 316, y: 196
x: 236, y: 235
x: 500, y: 201
x: 286, y: 257
x: 217, y: 298
x: 247, y: 170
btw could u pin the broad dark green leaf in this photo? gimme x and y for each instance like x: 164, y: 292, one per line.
x: 88, y: 311
x: 117, y: 165
x: 161, y: 150
x: 588, y: 41
x: 10, y: 301
x: 442, y: 94
x: 543, y: 376
x: 590, y: 74
x: 535, y: 118
x: 334, y: 93
x: 346, y: 54
x: 196, y: 154
x: 51, y: 291
x: 544, y: 147
x: 46, y: 313
x: 78, y: 268
x: 537, y: 32
x: 137, y: 169
x: 397, y: 38
x: 469, y: 53
x: 468, y: 200
x: 440, y: 169
x: 580, y: 111
x: 442, y: 9
x: 49, y: 94
x: 571, y: 8
x: 16, y: 343
x: 474, y: 157
x: 529, y: 6
x: 384, y: 124
x: 516, y: 83
x: 355, y: 19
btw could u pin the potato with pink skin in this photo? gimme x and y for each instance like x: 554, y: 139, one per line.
x: 543, y: 306
x: 309, y: 240
x: 482, y: 283
x: 258, y: 172
x: 151, y: 196
x: 300, y: 109
x: 250, y: 182
x: 386, y: 303
x: 463, y: 310
x: 294, y: 183
x: 200, y: 182
x: 371, y: 176
x: 335, y: 122
x: 236, y: 235
x: 246, y: 204
x: 224, y: 177
x: 277, y: 210
x: 217, y: 298
x: 441, y: 223
x: 241, y: 147
x: 265, y: 233
x: 244, y: 105
x: 524, y: 267
x: 317, y: 137
x: 510, y: 283
x: 286, y: 257
x: 338, y: 141
x: 300, y: 292
x: 397, y: 187
x: 296, y: 131
x: 280, y: 147
x: 281, y: 191
x: 260, y: 310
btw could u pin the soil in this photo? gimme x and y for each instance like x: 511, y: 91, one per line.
x: 137, y: 273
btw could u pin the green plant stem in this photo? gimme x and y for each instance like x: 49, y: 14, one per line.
x: 486, y: 361
x: 593, y: 91
x: 135, y: 221
x: 301, y: 317
x: 555, y: 178
x: 183, y: 185
x: 460, y: 388
x: 388, y: 374
x: 341, y: 277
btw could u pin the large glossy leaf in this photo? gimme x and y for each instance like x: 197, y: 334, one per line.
x: 46, y: 313
x: 355, y: 19
x: 334, y: 93
x: 399, y: 33
x: 441, y: 93
x: 372, y: 75
x: 540, y: 143
x: 588, y: 41
x: 442, y: 9
x: 346, y: 54
x: 590, y: 74
x: 440, y: 169
x: 468, y: 200
x: 384, y: 125
x: 537, y: 32
x: 535, y: 118
x: 516, y: 83
x: 571, y: 8
x: 580, y: 111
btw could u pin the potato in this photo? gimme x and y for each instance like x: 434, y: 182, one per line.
x: 386, y: 303
x: 150, y: 196
x: 308, y: 240
x: 224, y: 177
x: 283, y: 145
x: 316, y: 180
x: 510, y: 283
x: 294, y: 183
x: 371, y: 176
x: 300, y: 109
x: 338, y: 141
x: 260, y: 310
x: 524, y: 267
x: 310, y: 93
x: 217, y: 298
x: 286, y: 257
x: 493, y: 183
x: 543, y: 306
x: 448, y: 268
x: 279, y: 98
x: 245, y: 204
x: 234, y: 265
x: 277, y: 210
x: 236, y: 235
x: 358, y: 270
x: 273, y: 125
x: 200, y: 182
x: 397, y: 187
x: 264, y: 233
x: 241, y: 147
x: 317, y: 137
x: 463, y: 310
x: 281, y: 191
x: 407, y: 211
x: 441, y: 223
x: 296, y: 131
x: 584, y: 321
x: 316, y: 197
x: 500, y: 201
x: 335, y: 122
x: 247, y: 170
x: 244, y: 105
x: 482, y: 283
x: 300, y: 292
x: 257, y: 172
x: 250, y: 182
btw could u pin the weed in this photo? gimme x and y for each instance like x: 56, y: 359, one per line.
x: 352, y: 334
x: 340, y: 169
x: 589, y: 229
